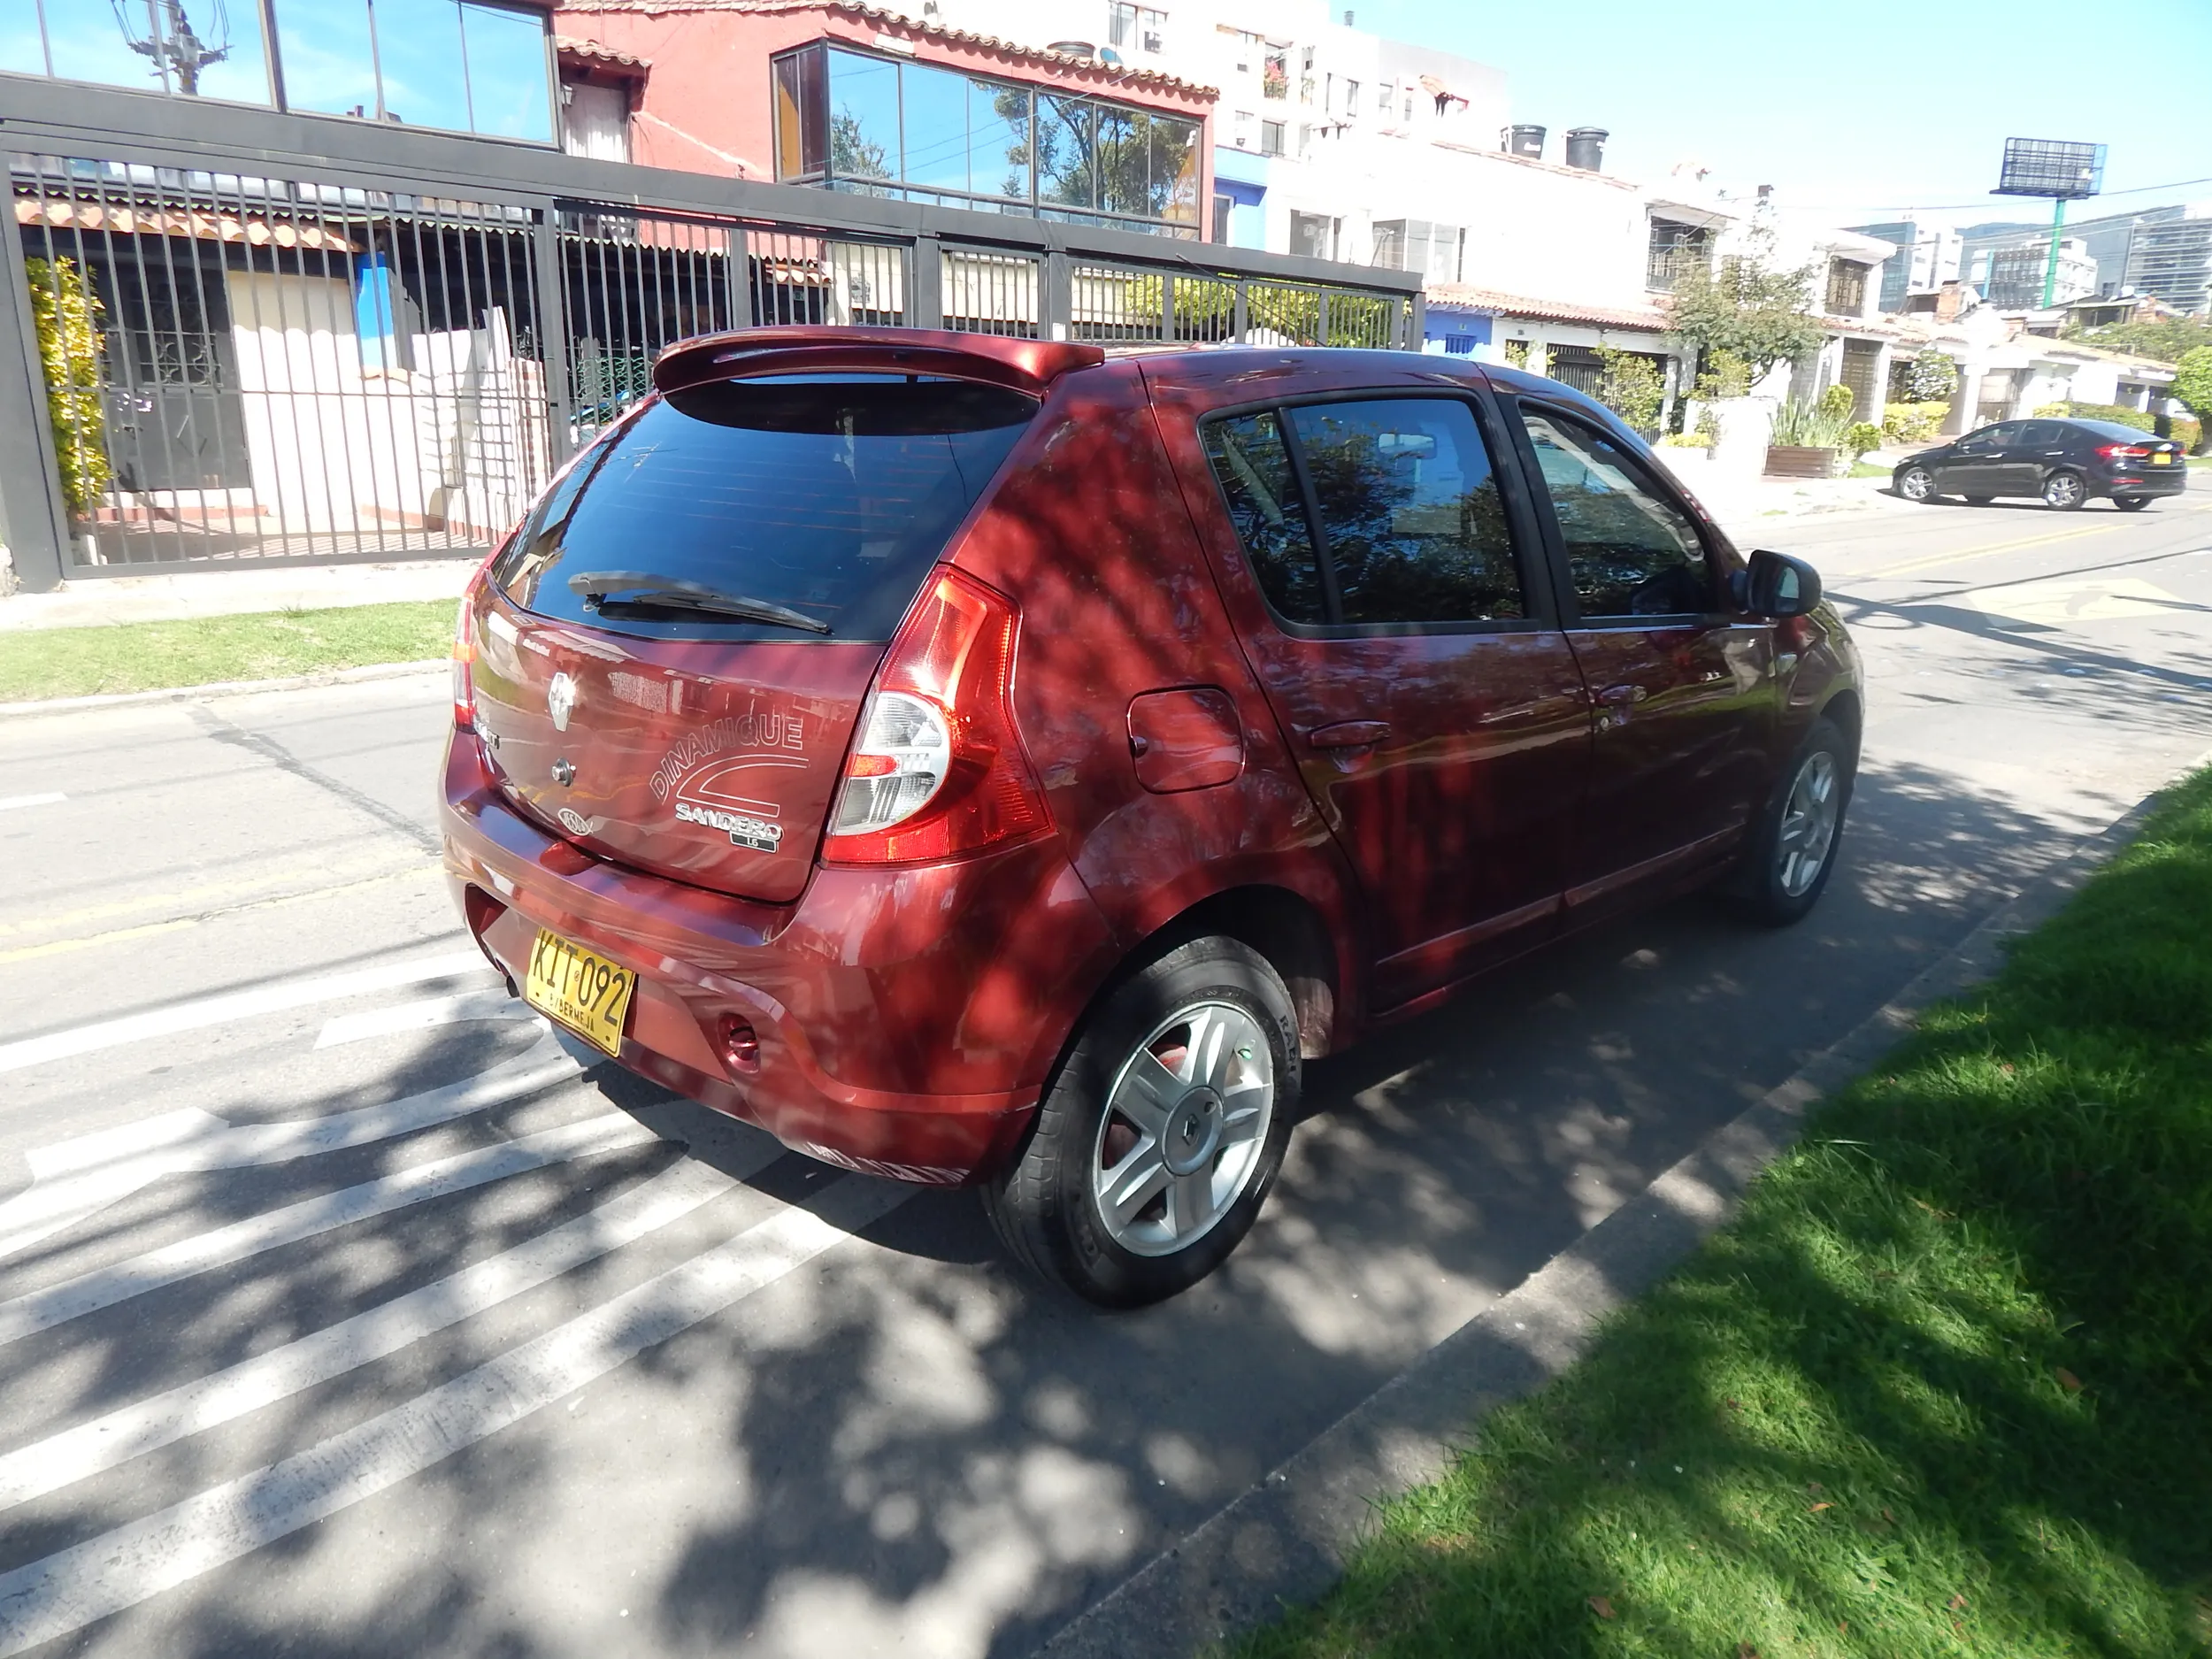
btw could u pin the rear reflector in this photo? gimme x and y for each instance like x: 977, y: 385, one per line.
x: 937, y: 768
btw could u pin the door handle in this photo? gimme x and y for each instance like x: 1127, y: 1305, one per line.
x: 1350, y: 734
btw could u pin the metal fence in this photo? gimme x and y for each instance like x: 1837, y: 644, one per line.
x: 233, y: 355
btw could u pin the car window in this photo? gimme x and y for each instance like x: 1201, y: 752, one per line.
x: 2043, y: 434
x: 1631, y: 551
x: 827, y: 495
x: 1412, y: 523
x: 1254, y: 467
x: 1994, y: 437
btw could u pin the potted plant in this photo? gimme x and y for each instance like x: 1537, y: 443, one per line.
x: 1809, y: 439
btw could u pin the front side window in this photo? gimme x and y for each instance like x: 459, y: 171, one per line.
x: 1411, y: 519
x: 1631, y: 552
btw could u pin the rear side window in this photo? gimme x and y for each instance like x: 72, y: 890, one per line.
x: 1410, y: 514
x: 1412, y: 528
x: 827, y: 498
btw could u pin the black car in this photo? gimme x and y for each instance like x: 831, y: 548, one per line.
x: 2065, y: 462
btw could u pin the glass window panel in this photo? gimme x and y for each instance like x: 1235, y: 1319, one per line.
x: 936, y: 128
x: 418, y: 55
x: 800, y: 114
x: 1174, y: 169
x: 1254, y: 467
x: 1067, y: 155
x: 1124, y: 159
x: 328, y: 64
x: 509, y: 95
x: 1632, y: 552
x: 864, y: 122
x: 998, y: 125
x: 1410, y: 511
x: 89, y: 42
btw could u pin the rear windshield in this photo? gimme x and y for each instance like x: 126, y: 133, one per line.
x: 827, y: 497
x: 2112, y: 429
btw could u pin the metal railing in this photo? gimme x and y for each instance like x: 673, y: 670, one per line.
x: 236, y: 337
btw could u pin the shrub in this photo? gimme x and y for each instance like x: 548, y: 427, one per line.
x: 1913, y: 423
x: 1837, y: 401
x: 1699, y: 440
x: 2188, y: 433
x: 1861, y: 436
x: 1722, y: 374
x: 1814, y: 426
x: 66, y: 313
x: 2048, y: 411
x: 1631, y: 388
x: 1928, y: 377
x: 2118, y: 413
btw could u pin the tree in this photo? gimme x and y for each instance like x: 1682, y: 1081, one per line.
x: 2167, y: 341
x: 1929, y: 378
x: 1631, y: 386
x: 2192, y: 386
x: 67, y: 315
x: 1748, y: 308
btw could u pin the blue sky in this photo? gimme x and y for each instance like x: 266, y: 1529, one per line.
x: 1854, y: 109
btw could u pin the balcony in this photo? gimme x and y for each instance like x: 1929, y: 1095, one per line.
x: 1666, y: 261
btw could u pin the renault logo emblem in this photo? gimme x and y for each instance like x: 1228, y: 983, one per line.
x: 560, y: 700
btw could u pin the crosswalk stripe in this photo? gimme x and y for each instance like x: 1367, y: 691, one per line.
x: 422, y: 1016
x: 216, y: 1010
x: 121, y: 1568
x: 42, y: 1310
x: 48, y: 1206
x: 189, y: 1408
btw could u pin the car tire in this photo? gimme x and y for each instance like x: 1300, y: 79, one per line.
x: 1915, y: 483
x: 2064, y: 491
x: 2130, y: 504
x: 1782, y: 877
x: 1979, y: 501
x: 1176, y: 1098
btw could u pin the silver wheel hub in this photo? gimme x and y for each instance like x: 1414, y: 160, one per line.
x: 1185, y: 1121
x: 2063, y: 489
x: 1809, y: 824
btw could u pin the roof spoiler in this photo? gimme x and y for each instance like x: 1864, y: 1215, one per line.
x: 1021, y: 366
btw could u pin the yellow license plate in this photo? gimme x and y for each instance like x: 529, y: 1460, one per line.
x: 586, y: 993
x: 2162, y: 458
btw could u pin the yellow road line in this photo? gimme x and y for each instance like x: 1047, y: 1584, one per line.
x: 1983, y: 552
x: 116, y: 936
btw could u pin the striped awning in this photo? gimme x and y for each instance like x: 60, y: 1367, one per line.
x: 67, y: 213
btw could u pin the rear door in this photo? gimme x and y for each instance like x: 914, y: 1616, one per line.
x: 1407, y: 646
x: 2043, y: 447
x: 673, y: 649
x: 1682, y: 684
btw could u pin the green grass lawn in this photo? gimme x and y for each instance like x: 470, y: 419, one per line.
x: 147, y: 655
x: 1867, y: 469
x: 1944, y: 1386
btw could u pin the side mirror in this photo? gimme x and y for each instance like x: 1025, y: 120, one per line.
x: 1778, y: 586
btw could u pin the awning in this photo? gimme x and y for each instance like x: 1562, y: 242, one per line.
x: 64, y: 214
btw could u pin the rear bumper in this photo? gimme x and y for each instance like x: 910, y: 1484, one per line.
x: 2164, y: 481
x: 905, y: 1019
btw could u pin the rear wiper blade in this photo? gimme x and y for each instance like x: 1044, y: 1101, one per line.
x: 601, y: 589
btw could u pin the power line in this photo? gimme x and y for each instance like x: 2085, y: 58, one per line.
x: 1960, y: 207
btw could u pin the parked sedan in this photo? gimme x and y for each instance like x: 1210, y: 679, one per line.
x: 2063, y: 462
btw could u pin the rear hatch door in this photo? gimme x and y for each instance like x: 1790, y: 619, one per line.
x: 674, y: 650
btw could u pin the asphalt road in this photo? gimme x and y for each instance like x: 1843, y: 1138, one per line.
x: 339, y: 1315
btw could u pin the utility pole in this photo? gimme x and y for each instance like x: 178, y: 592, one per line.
x: 2050, y: 265
x: 171, y: 44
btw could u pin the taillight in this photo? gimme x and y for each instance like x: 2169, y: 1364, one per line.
x: 936, y: 769
x: 2122, y: 452
x: 465, y: 645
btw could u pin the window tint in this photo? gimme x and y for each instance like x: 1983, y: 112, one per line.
x: 1411, y: 513
x: 1633, y: 553
x: 1994, y: 437
x: 1249, y: 459
x: 828, y: 495
x: 2043, y: 434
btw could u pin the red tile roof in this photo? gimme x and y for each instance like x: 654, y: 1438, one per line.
x: 1121, y: 74
x: 1466, y: 297
x: 592, y: 54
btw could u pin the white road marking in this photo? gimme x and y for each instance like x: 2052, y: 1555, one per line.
x: 433, y: 1010
x: 113, y: 1168
x: 119, y: 1569
x: 216, y: 1010
x: 15, y: 800
x: 193, y: 1408
x: 57, y: 1304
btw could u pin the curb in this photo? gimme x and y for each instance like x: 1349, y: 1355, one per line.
x: 1286, y: 1540
x: 222, y: 688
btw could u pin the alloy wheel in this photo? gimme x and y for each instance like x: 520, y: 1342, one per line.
x: 1183, y: 1127
x: 1809, y: 824
x: 2063, y: 489
x: 1914, y: 484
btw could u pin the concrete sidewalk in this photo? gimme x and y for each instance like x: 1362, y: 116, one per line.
x: 107, y: 601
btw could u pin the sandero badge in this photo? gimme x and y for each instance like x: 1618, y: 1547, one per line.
x: 1009, y: 762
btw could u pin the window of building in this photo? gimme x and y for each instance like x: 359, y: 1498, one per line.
x: 1632, y: 552
x: 1275, y: 73
x: 596, y: 122
x: 1351, y: 98
x: 462, y: 66
x: 1313, y: 235
x: 1417, y: 244
x: 1847, y: 288
x: 1135, y: 28
x: 1241, y: 129
x: 1385, y: 99
x: 915, y: 132
x: 1674, y: 248
x: 1270, y: 138
x: 1225, y: 211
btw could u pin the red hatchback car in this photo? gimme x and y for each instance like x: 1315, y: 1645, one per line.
x: 998, y: 761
